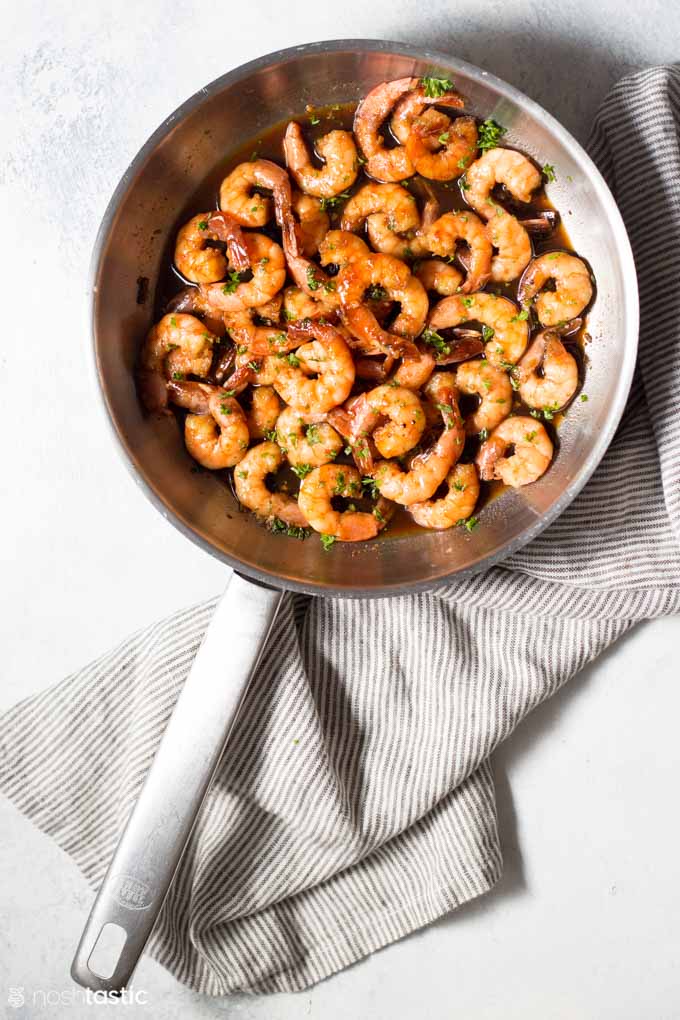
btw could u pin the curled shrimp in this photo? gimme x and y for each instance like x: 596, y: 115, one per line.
x: 330, y: 358
x: 382, y: 164
x: 189, y: 300
x: 456, y: 506
x: 338, y: 152
x: 412, y: 105
x: 444, y: 236
x: 429, y: 469
x: 269, y: 273
x: 340, y: 247
x: 250, y: 485
x: 194, y: 260
x: 316, y: 492
x: 259, y: 340
x: 513, y: 246
x: 440, y: 277
x: 557, y: 382
x: 313, y: 222
x: 499, y: 166
x: 415, y: 370
x: 305, y: 440
x: 178, y: 344
x: 405, y: 419
x: 298, y: 306
x: 264, y: 411
x: 216, y: 431
x: 398, y: 283
x: 388, y: 210
x: 260, y: 371
x: 510, y: 334
x: 250, y: 208
x: 458, y: 146
x: 532, y: 451
x: 573, y: 287
x: 492, y: 386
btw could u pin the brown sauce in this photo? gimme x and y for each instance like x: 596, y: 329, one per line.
x: 269, y: 145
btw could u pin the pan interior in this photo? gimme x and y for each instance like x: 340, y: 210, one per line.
x: 135, y: 232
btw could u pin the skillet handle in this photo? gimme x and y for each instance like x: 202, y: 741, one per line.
x: 155, y: 837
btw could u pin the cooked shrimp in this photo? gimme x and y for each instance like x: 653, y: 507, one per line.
x: 499, y: 166
x: 406, y: 419
x: 260, y: 340
x: 557, y: 382
x: 388, y: 210
x: 264, y: 411
x: 227, y: 228
x: 311, y: 279
x: 259, y: 371
x: 429, y: 469
x: 382, y: 164
x: 305, y: 440
x: 573, y: 287
x: 269, y: 273
x: 510, y: 332
x: 415, y: 370
x: 177, y: 344
x: 492, y: 386
x: 316, y: 492
x: 338, y: 152
x: 251, y: 488
x: 340, y: 247
x: 531, y: 456
x: 193, y: 259
x: 250, y: 208
x: 189, y: 300
x: 458, y: 146
x: 456, y: 506
x: 392, y: 276
x: 440, y: 277
x: 298, y: 306
x: 216, y: 432
x: 334, y: 367
x: 412, y: 105
x: 313, y: 222
x: 444, y: 235
x: 513, y: 246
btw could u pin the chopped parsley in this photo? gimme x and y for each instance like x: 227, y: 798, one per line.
x: 312, y: 434
x: 327, y: 541
x: 521, y: 316
x: 436, y: 340
x: 487, y: 333
x: 302, y: 470
x: 583, y: 398
x: 178, y: 376
x: 377, y: 293
x: 313, y: 281
x: 280, y: 527
x: 443, y: 138
x: 331, y: 203
x: 202, y: 224
x: 370, y: 488
x: 483, y: 435
x: 530, y: 436
x: 490, y: 134
x: 173, y: 321
x: 232, y: 283
x: 467, y: 302
x: 436, y: 87
x: 470, y: 524
x: 549, y: 172
x: 313, y: 119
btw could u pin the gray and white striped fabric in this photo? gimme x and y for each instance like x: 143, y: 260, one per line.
x: 356, y: 803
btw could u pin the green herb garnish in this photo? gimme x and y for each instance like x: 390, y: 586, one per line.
x: 302, y: 470
x: 490, y: 133
x: 327, y: 541
x: 436, y: 87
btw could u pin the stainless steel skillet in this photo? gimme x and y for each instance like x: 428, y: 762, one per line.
x: 131, y: 241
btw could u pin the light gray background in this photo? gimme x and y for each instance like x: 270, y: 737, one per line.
x: 585, y: 922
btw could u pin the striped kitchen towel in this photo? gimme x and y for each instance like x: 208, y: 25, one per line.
x: 355, y: 802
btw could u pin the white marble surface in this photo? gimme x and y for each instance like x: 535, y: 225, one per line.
x: 584, y: 923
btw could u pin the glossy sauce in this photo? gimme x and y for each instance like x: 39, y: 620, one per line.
x: 270, y: 146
